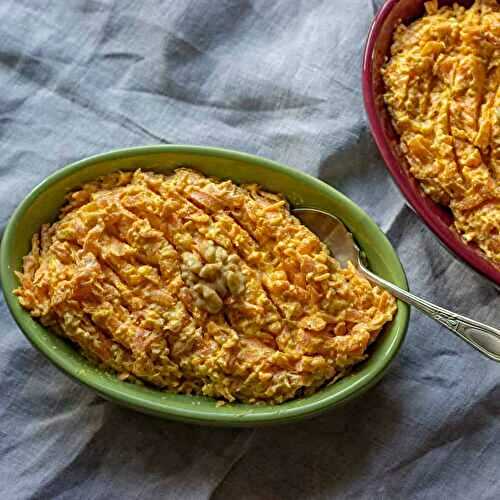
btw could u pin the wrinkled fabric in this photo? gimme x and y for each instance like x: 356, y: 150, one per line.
x: 280, y: 79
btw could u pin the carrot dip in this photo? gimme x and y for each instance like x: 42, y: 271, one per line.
x: 442, y: 91
x: 197, y: 285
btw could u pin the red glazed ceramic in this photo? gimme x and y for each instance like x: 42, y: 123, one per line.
x: 437, y: 217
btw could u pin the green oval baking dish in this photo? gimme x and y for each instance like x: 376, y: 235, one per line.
x: 42, y: 204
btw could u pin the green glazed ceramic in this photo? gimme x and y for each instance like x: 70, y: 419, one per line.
x: 42, y: 205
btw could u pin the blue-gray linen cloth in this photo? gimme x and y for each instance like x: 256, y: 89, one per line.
x: 281, y: 79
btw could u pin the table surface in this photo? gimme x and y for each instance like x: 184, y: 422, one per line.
x: 279, y: 79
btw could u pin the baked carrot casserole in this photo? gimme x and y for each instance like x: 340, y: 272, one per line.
x: 197, y: 285
x: 442, y: 91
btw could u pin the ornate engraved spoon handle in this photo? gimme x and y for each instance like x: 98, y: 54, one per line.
x: 484, y: 338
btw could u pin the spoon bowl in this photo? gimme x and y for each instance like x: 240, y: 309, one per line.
x: 332, y: 232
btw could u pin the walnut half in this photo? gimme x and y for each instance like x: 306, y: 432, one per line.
x: 214, y: 281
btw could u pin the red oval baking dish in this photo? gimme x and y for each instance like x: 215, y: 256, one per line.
x: 437, y: 217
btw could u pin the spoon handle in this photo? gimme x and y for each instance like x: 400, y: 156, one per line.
x: 484, y: 338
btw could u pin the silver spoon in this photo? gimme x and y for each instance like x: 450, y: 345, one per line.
x: 339, y: 240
